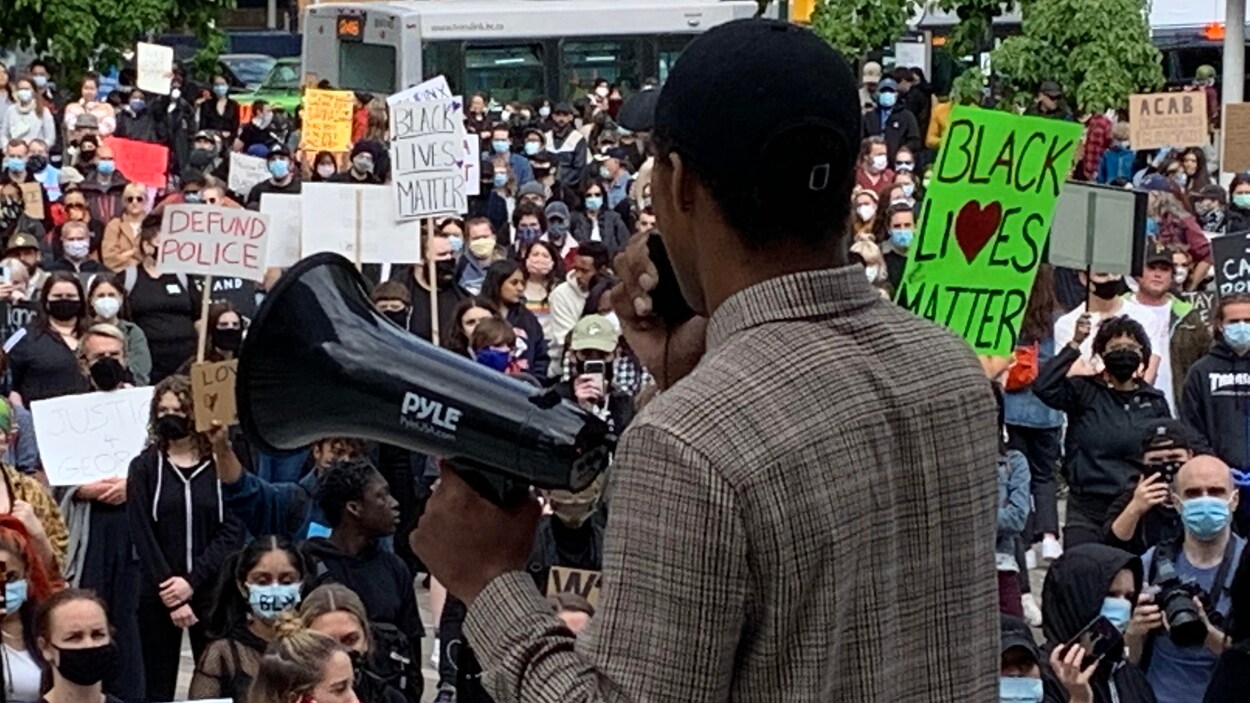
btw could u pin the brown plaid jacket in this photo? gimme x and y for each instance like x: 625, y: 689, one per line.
x: 808, y: 516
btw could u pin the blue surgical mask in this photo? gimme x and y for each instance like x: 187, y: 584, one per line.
x: 457, y: 244
x: 40, y: 81
x: 1241, y: 200
x: 909, y: 189
x: 594, y: 202
x: 496, y: 359
x: 1122, y: 144
x: 14, y: 594
x: 499, y: 146
x: 1017, y: 689
x: 901, y: 238
x: 105, y: 167
x: 279, y: 168
x: 500, y: 180
x: 1237, y: 334
x: 221, y: 89
x: 1117, y: 610
x: 15, y: 164
x: 1181, y: 179
x: 528, y: 234
x: 1206, y: 517
x: 604, y: 173
x: 532, y: 148
x: 268, y: 601
x: 136, y: 105
x: 544, y: 111
x: 191, y: 198
x: 1152, y: 227
x: 887, y: 98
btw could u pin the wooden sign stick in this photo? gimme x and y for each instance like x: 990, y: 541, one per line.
x: 205, y: 301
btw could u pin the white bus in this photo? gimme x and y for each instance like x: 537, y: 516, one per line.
x: 511, y: 49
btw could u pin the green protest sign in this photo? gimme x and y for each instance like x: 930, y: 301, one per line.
x: 984, y: 223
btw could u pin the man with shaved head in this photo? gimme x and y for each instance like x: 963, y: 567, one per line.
x: 1206, y: 555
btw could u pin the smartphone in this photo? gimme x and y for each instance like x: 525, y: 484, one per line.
x: 596, y: 370
x: 666, y: 300
x: 1098, y: 638
x: 6, y: 276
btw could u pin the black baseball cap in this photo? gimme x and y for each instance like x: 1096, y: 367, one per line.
x: 1157, y: 253
x: 1166, y: 434
x: 1016, y: 633
x: 742, y: 85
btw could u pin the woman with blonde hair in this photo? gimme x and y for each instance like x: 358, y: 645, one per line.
x: 303, y: 665
x: 864, y: 202
x: 335, y: 610
x: 119, y: 248
x: 874, y: 262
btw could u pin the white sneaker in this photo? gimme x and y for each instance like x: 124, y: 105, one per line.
x: 1030, y: 559
x: 1051, y: 549
x: 1032, y: 613
x: 434, y: 655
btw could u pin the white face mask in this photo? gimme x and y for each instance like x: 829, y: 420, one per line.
x: 879, y: 162
x: 866, y: 212
x: 871, y: 273
x: 326, y: 170
x: 1180, y: 275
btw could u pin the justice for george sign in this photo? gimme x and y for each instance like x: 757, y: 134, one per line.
x: 427, y: 155
x: 213, y: 241
x: 327, y: 120
x: 92, y: 436
x: 984, y: 223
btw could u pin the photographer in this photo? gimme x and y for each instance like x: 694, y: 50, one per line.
x: 593, y: 347
x: 1144, y: 515
x: 1177, y: 630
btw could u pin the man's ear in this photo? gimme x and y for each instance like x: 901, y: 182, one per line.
x: 681, y: 187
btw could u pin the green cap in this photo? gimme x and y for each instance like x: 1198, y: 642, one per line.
x: 594, y: 332
x: 1205, y: 72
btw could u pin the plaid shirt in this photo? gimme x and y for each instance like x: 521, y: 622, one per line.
x: 1097, y: 141
x: 808, y: 516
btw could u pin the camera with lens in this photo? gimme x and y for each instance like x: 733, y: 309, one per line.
x: 1175, y: 598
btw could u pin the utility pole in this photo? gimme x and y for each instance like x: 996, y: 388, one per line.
x: 1234, y: 52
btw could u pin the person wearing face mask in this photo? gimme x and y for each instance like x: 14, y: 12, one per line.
x: 481, y: 250
x: 259, y: 130
x: 28, y: 583
x: 264, y: 582
x: 872, y: 171
x: 75, y: 640
x: 164, y: 306
x: 220, y: 113
x: 23, y: 236
x: 1172, y: 225
x: 891, y: 121
x: 1145, y: 515
x: 16, y: 171
x: 40, y: 169
x: 362, y: 159
x: 324, y: 167
x: 1238, y: 214
x: 1106, y: 414
x: 1178, y: 659
x: 1019, y: 664
x: 335, y: 610
x: 29, y: 117
x: 225, y: 335
x: 393, y: 301
x: 42, y: 358
x: 1118, y: 160
x: 182, y: 533
x: 501, y: 145
x: 528, y: 222
x: 613, y: 172
x: 1102, y: 298
x: 105, y: 186
x: 543, y: 272
x: 283, y: 178
x: 1087, y: 582
x: 494, y: 200
x: 108, y: 306
x: 416, y: 278
x: 76, y: 250
x: 205, y: 156
x: 136, y: 121
x: 1211, y: 205
x: 596, y: 221
x: 558, y: 232
x: 504, y: 286
x: 896, y: 229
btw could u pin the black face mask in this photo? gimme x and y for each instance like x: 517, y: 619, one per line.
x: 444, y: 273
x: 87, y: 667
x: 64, y: 310
x: 172, y: 428
x: 1107, y: 289
x: 107, y: 373
x: 201, y: 158
x: 1121, y: 363
x: 228, y: 339
x: 35, y: 164
x: 399, y: 317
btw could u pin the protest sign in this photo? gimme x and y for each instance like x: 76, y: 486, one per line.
x: 427, y: 158
x: 15, y: 316
x: 213, y: 241
x: 1236, y: 136
x: 284, y: 228
x: 140, y: 162
x: 92, y: 436
x: 985, y: 222
x: 246, y: 171
x: 154, y: 67
x: 328, y: 212
x: 562, y: 579
x: 472, y: 165
x: 212, y: 389
x: 1203, y: 302
x: 1167, y: 119
x: 327, y: 120
x: 434, y: 89
x: 239, y: 292
x: 1100, y: 228
x: 32, y: 198
x: 1232, y: 263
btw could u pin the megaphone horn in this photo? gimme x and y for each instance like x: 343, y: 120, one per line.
x: 319, y: 361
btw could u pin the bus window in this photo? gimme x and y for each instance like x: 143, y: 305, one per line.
x: 583, y: 62
x: 668, y: 49
x: 367, y: 68
x: 505, y: 73
x: 444, y: 58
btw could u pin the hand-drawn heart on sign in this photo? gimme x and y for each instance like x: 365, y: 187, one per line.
x: 975, y: 227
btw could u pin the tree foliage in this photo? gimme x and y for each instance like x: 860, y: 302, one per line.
x: 77, y: 32
x: 856, y: 27
x: 974, y: 33
x: 1098, y: 51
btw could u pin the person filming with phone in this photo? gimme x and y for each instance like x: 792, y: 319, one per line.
x: 1177, y: 631
x: 593, y: 349
x: 1145, y: 515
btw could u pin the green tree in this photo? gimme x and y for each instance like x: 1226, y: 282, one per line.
x: 77, y: 32
x: 856, y: 27
x: 1098, y: 51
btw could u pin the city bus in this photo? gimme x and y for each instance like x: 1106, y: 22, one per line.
x: 510, y: 49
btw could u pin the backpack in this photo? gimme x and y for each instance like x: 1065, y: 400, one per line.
x: 1024, y: 367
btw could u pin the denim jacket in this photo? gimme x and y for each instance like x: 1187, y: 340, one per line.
x: 1014, y: 496
x: 1022, y: 408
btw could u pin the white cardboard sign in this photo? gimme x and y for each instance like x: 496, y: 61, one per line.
x: 92, y: 436
x: 328, y: 217
x: 427, y: 158
x: 154, y: 65
x: 246, y: 171
x: 206, y: 240
x: 284, y: 228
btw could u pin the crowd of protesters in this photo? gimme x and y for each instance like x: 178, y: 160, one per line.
x: 294, y: 572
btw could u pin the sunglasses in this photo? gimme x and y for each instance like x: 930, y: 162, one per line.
x: 135, y: 199
x: 73, y: 206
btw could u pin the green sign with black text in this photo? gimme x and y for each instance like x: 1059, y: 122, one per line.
x: 984, y: 223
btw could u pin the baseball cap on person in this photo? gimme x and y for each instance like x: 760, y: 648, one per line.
x: 1166, y: 434
x: 531, y: 188
x: 872, y: 73
x: 889, y: 85
x: 86, y: 121
x: 1212, y: 191
x: 557, y: 209
x: 1050, y: 89
x: 278, y: 150
x: 258, y: 150
x: 1156, y: 182
x: 1016, y: 633
x: 1158, y: 253
x: 594, y: 332
x: 21, y: 240
x: 787, y: 84
x: 562, y: 107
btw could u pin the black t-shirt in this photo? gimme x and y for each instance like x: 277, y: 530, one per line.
x: 165, y: 310
x: 43, y: 366
x: 292, y: 188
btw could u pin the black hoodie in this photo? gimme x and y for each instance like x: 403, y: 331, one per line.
x: 1075, y: 587
x: 1105, y: 426
x: 1215, y: 402
x: 380, y: 578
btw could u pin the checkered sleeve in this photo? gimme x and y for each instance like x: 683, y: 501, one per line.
x: 671, y: 608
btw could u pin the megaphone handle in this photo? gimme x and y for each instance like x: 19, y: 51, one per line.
x: 504, y: 492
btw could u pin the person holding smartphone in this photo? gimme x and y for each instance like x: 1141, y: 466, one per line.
x: 589, y: 379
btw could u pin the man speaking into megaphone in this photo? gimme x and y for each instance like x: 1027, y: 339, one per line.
x: 813, y: 480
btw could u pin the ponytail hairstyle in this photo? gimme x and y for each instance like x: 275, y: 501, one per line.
x: 336, y: 598
x: 230, y: 602
x: 292, y: 666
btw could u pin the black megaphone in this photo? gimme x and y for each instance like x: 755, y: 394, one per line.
x: 319, y: 361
